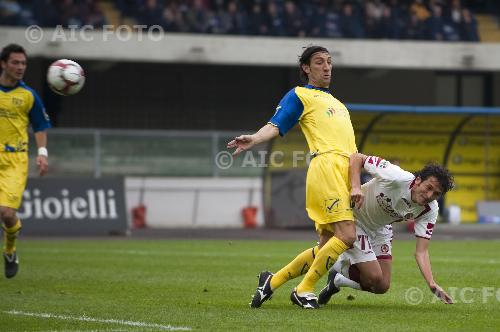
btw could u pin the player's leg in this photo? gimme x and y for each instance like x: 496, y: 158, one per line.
x: 12, y: 183
x: 368, y: 274
x: 327, y: 202
x: 372, y: 276
x: 371, y: 260
x: 328, y: 254
x: 269, y: 282
x: 382, y: 247
x: 297, y: 267
x: 11, y: 226
x: 343, y: 274
x: 385, y: 283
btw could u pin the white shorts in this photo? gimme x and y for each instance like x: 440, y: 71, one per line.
x: 370, y: 245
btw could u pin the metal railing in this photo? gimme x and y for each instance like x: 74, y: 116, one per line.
x: 107, y: 152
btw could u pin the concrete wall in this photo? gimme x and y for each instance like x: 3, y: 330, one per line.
x: 209, y: 49
x: 195, y: 202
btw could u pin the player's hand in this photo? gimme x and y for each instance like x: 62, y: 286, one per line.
x: 357, y: 198
x: 241, y: 143
x: 43, y: 165
x: 441, y: 294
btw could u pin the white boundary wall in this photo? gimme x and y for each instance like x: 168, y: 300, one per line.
x: 194, y: 202
x: 273, y: 51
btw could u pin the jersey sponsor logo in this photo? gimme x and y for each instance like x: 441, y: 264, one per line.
x: 332, y: 205
x: 385, y: 204
x: 339, y: 111
x: 321, y: 96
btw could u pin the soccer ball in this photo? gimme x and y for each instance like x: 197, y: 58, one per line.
x: 65, y: 77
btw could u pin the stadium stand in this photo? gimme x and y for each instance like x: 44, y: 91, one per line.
x: 50, y: 13
x: 371, y: 19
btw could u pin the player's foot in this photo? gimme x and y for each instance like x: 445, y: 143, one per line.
x: 11, y: 264
x: 326, y: 293
x: 263, y: 292
x: 306, y: 301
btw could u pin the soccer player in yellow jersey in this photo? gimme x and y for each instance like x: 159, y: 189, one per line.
x: 327, y: 128
x: 19, y: 106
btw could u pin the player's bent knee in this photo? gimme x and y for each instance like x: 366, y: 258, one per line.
x: 374, y: 281
x: 382, y: 288
x: 345, y: 231
x: 347, y: 238
x: 350, y: 239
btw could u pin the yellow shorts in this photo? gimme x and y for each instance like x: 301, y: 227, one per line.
x: 13, y: 176
x: 328, y: 190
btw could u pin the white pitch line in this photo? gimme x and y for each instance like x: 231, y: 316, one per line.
x: 98, y: 320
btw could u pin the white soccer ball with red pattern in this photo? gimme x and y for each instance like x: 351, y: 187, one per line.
x: 65, y: 77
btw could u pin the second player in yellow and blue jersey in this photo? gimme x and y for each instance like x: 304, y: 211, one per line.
x: 19, y: 106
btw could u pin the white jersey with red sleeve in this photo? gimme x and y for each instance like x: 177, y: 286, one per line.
x: 388, y: 199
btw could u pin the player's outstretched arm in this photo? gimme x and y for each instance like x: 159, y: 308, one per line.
x: 424, y: 263
x: 42, y: 159
x: 356, y: 162
x: 245, y: 142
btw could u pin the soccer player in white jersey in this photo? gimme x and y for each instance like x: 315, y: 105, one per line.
x: 392, y: 195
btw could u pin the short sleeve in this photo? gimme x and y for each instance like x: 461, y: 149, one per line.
x: 382, y: 169
x: 287, y: 113
x: 424, y: 224
x: 39, y: 119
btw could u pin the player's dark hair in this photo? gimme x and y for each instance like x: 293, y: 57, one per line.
x: 442, y: 174
x: 11, y: 48
x: 305, y: 58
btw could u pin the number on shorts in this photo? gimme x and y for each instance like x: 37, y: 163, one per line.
x: 363, y: 239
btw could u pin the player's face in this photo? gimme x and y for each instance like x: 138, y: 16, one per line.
x: 424, y: 192
x: 14, y: 67
x: 319, y: 70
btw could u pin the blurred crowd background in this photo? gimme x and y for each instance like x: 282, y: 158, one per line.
x: 443, y: 20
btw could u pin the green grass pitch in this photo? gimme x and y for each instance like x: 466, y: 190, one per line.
x: 142, y: 285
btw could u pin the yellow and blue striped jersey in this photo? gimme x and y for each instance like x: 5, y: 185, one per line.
x: 324, y: 120
x: 19, y: 106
